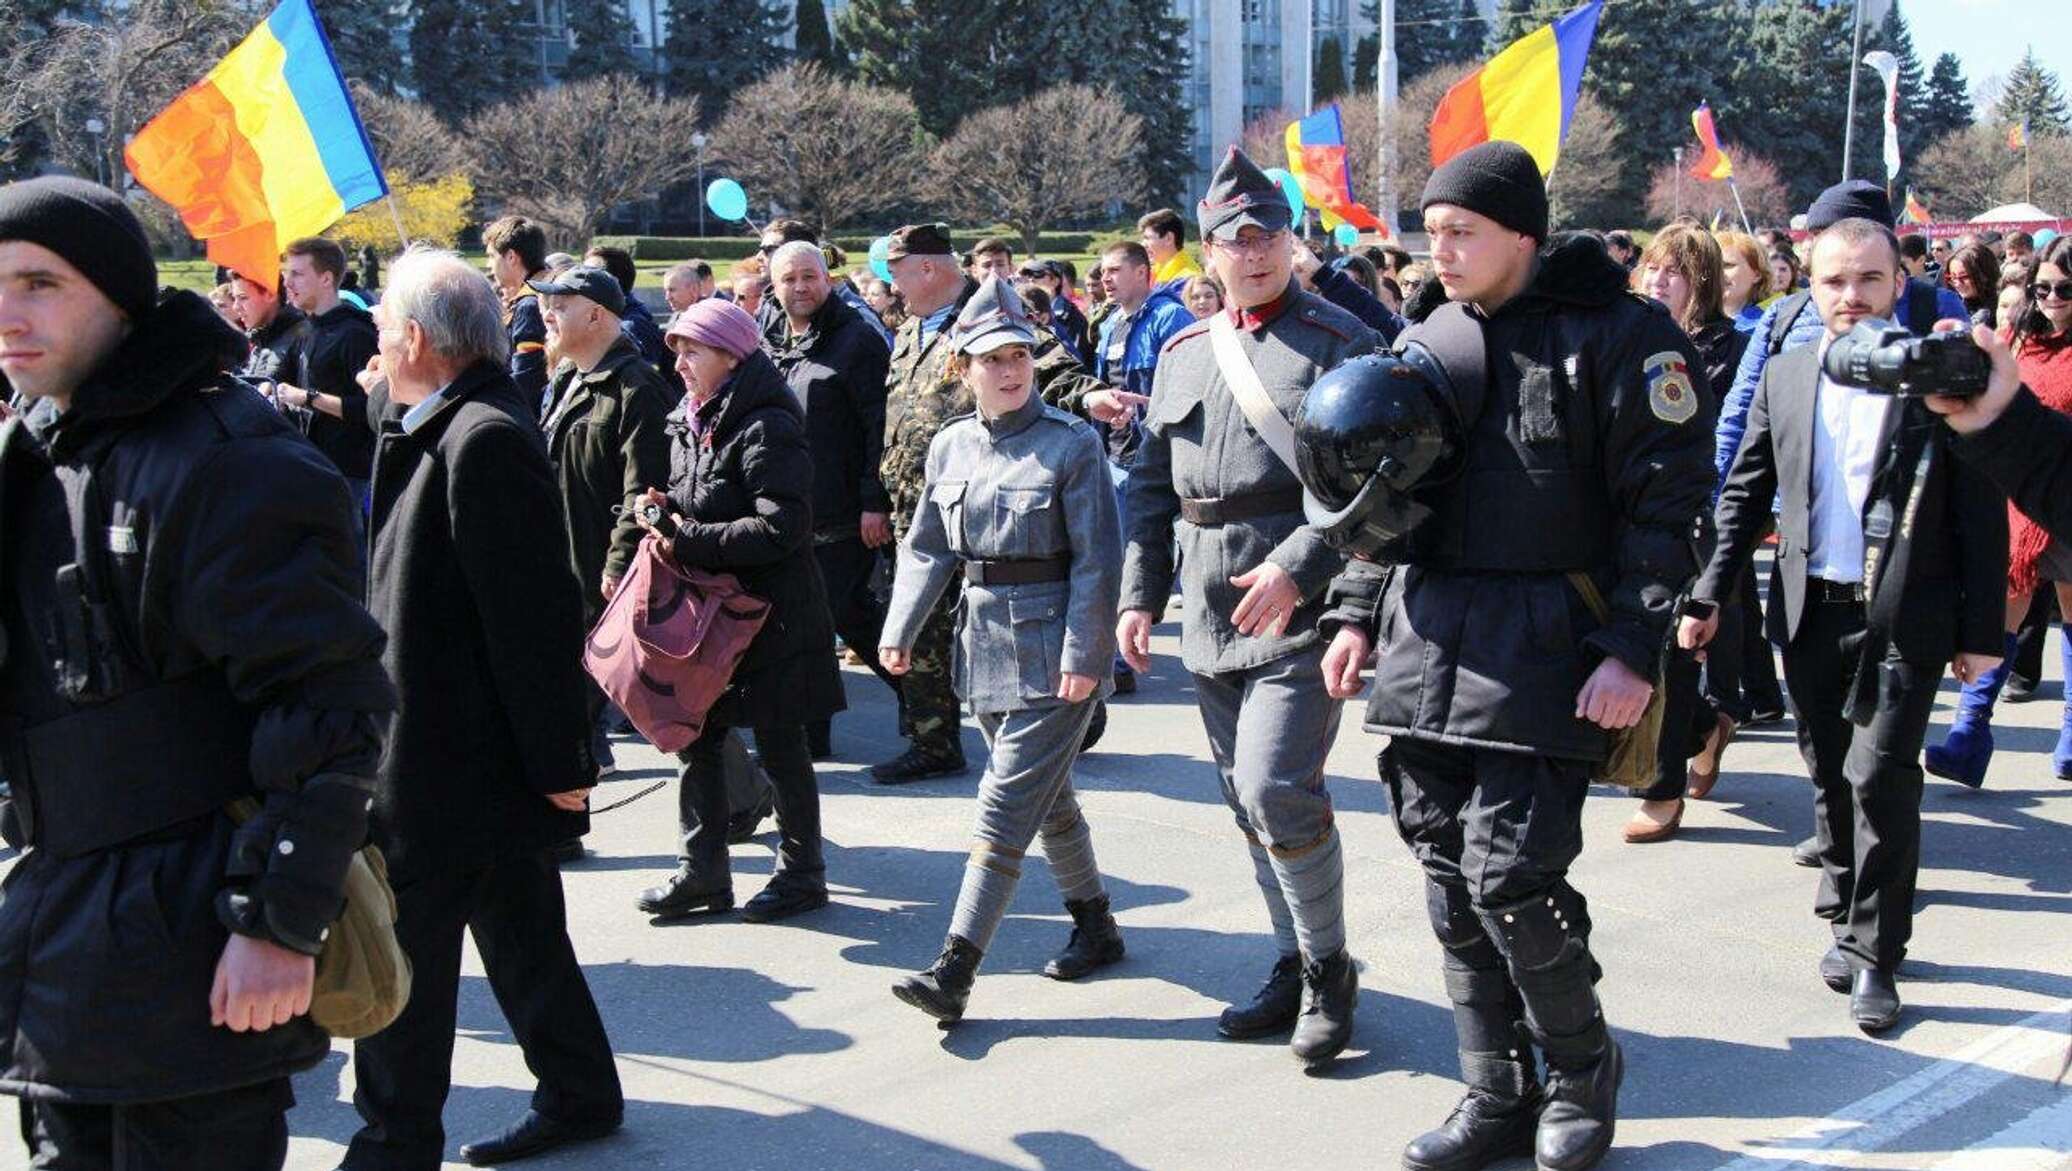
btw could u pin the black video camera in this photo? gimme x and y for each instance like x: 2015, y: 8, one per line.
x: 1885, y: 359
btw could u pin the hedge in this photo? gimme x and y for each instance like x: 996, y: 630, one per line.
x: 722, y: 248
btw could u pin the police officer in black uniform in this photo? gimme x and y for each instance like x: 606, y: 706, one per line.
x: 1584, y: 463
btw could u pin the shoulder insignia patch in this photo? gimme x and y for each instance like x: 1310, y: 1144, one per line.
x: 1670, y: 393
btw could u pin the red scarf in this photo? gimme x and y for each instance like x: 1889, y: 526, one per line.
x: 2046, y: 365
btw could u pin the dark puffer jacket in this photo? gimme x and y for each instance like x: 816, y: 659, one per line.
x: 744, y: 487
x: 218, y: 565
x: 837, y: 370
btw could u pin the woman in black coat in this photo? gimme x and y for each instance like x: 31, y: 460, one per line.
x: 740, y: 489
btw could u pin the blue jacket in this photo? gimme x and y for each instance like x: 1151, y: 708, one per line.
x: 1156, y: 322
x: 1733, y: 412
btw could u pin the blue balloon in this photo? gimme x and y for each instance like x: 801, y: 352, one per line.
x: 726, y: 199
x: 2043, y: 238
x: 1346, y: 235
x: 881, y: 258
x: 1290, y: 186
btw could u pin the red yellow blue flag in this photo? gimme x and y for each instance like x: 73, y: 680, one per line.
x: 1525, y: 94
x: 1713, y: 162
x: 265, y: 149
x: 1317, y: 158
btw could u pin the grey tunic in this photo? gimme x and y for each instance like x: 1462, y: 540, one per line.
x: 1031, y: 484
x: 1198, y: 445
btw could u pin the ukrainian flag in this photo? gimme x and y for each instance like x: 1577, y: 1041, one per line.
x: 1525, y: 94
x: 265, y: 149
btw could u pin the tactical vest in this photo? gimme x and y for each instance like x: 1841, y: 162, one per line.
x: 1530, y: 496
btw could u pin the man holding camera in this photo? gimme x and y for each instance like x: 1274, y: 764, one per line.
x: 1891, y: 561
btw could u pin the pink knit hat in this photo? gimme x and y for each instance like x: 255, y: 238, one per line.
x: 722, y: 325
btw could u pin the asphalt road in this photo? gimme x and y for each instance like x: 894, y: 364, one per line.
x: 750, y: 1047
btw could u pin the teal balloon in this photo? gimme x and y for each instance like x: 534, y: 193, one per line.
x: 726, y: 199
x: 2044, y: 237
x: 1290, y: 186
x: 1346, y: 235
x: 881, y: 258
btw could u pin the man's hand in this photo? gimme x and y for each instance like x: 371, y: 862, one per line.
x: 1695, y: 633
x: 1074, y: 687
x: 372, y: 376
x: 1117, y: 408
x: 1614, y: 697
x: 1967, y: 667
x: 572, y: 801
x: 608, y: 585
x: 1966, y: 415
x: 260, y: 985
x: 1306, y: 264
x: 291, y: 394
x: 1269, y: 602
x: 895, y: 660
x: 875, y: 528
x: 1344, y: 661
x: 1133, y: 635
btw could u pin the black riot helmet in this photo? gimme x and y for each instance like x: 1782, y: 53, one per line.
x: 1373, y: 433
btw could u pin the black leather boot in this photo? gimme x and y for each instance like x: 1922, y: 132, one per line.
x: 916, y: 764
x: 1495, y: 1120
x: 1581, y: 1113
x: 1272, y: 1010
x: 1095, y: 942
x: 683, y: 893
x: 1331, y: 989
x: 942, y: 989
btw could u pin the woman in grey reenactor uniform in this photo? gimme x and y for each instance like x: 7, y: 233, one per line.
x: 1018, y: 495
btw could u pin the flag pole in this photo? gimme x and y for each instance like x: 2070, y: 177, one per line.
x: 397, y: 216
x: 1739, y: 206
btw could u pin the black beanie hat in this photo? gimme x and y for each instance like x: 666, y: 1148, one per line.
x: 92, y: 229
x: 1496, y: 179
x: 1854, y: 199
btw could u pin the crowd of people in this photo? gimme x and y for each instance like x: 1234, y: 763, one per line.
x: 334, y: 541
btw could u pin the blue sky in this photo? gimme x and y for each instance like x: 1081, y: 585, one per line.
x: 1989, y: 36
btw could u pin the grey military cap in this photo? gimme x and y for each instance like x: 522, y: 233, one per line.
x: 994, y: 317
x: 1239, y: 194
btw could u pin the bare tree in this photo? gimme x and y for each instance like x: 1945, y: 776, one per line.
x: 1067, y: 151
x: 1763, y: 191
x: 410, y: 141
x: 1583, y: 191
x: 567, y: 156
x: 829, y: 150
x: 1969, y: 171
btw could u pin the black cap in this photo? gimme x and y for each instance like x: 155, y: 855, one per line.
x: 585, y: 281
x: 1852, y: 199
x: 920, y: 240
x: 1240, y: 194
x: 92, y: 228
x: 1496, y: 179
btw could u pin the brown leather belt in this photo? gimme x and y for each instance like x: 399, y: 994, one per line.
x: 1021, y: 571
x: 1228, y: 509
x: 1819, y: 589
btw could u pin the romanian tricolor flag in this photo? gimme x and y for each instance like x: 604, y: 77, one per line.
x: 265, y: 149
x: 1713, y: 162
x: 1316, y: 157
x: 1916, y: 211
x: 2018, y: 135
x: 1525, y: 94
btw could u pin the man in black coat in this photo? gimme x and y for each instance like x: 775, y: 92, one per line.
x: 835, y: 364
x: 275, y: 328
x: 489, y: 760
x: 179, y: 588
x: 1862, y: 670
x: 325, y: 377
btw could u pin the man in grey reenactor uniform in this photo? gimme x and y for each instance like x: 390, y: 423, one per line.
x: 1254, y: 576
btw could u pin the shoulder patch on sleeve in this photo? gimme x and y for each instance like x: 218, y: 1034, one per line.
x: 1670, y: 394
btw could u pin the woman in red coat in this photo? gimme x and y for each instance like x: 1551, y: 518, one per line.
x: 2041, y: 332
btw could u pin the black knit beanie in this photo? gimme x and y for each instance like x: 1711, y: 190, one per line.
x: 1852, y: 199
x: 1496, y: 179
x: 92, y: 229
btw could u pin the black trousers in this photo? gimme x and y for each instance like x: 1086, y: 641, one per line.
x: 1501, y: 826
x: 245, y: 1129
x: 515, y: 911
x: 703, y: 805
x: 1866, y: 782
x: 2036, y: 626
x: 1758, y: 666
x: 847, y: 566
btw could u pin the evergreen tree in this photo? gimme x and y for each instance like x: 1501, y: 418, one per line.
x: 1367, y: 62
x: 467, y: 54
x: 715, y: 47
x: 1947, y: 105
x: 363, y: 39
x: 1790, y: 91
x: 1895, y: 38
x: 1327, y: 78
x: 815, y: 42
x: 938, y: 52
x: 1650, y: 66
x: 603, y: 35
x: 1514, y: 19
x: 2033, y: 96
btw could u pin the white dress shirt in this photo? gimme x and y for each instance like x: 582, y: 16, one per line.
x: 1847, y: 422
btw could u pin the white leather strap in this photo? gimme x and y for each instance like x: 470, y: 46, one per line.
x: 1243, y: 381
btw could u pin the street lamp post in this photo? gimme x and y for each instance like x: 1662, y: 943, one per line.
x: 698, y: 144
x: 96, y: 127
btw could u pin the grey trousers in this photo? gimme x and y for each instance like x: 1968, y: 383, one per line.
x: 1026, y: 790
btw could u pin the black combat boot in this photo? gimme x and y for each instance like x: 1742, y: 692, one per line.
x: 1545, y: 944
x: 1272, y: 1010
x: 1331, y: 988
x: 941, y: 990
x: 1495, y: 1120
x: 916, y: 764
x: 1095, y: 942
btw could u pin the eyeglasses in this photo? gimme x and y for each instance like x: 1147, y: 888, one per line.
x: 1257, y: 245
x: 2062, y: 290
